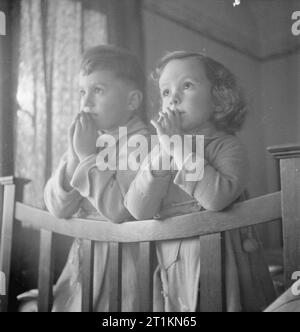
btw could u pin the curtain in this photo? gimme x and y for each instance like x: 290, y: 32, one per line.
x: 53, y: 36
x: 8, y: 77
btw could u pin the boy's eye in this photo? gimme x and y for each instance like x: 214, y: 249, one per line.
x: 99, y: 90
x: 187, y: 85
x: 165, y: 93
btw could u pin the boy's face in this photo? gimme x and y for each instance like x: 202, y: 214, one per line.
x: 106, y: 97
x: 184, y: 86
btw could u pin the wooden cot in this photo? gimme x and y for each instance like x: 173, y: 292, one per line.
x: 284, y: 204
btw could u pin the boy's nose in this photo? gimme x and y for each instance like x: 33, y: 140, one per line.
x: 175, y: 100
x: 87, y: 103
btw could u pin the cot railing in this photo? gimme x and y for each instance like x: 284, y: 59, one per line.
x: 206, y: 225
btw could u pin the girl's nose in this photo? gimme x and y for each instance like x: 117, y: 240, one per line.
x: 175, y: 100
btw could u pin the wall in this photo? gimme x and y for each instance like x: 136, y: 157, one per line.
x: 280, y: 119
x: 280, y: 100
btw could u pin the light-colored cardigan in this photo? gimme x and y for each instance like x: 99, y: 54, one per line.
x: 99, y: 195
x: 176, y: 282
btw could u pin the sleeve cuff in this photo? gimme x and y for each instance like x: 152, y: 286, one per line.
x: 80, y: 180
x: 152, y: 178
x: 191, y: 172
x: 146, y: 193
x: 58, y: 180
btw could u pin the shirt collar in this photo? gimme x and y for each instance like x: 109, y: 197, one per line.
x: 135, y: 124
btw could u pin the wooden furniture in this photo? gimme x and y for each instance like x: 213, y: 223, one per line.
x: 208, y: 225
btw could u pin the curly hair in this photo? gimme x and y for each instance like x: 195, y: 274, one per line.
x: 228, y: 98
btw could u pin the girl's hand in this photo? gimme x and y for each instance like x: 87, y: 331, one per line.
x: 166, y: 126
x: 85, y: 136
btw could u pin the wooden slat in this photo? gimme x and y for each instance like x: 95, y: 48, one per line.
x: 211, y: 273
x: 45, y: 279
x: 290, y: 184
x: 130, y: 272
x: 6, y: 238
x: 6, y: 180
x: 146, y: 268
x: 114, y: 266
x: 255, y: 211
x: 87, y: 275
x: 1, y: 205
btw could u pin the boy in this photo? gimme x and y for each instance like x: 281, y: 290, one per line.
x: 111, y: 88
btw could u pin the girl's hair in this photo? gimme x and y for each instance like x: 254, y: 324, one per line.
x: 121, y: 62
x: 230, y: 104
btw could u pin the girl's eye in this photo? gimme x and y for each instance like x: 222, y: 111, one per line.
x: 165, y: 93
x: 99, y: 90
x: 187, y: 85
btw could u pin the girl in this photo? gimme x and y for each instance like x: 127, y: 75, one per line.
x: 200, y: 97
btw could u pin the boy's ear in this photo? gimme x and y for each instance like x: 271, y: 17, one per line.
x: 135, y: 99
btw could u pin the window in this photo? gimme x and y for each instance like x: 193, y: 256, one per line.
x: 53, y: 35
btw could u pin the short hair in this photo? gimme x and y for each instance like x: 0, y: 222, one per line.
x: 228, y: 98
x: 121, y: 62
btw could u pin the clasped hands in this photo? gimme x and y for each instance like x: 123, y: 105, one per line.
x: 168, y: 124
x: 83, y: 134
x: 82, y: 137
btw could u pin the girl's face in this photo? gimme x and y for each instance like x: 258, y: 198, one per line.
x: 106, y: 98
x: 184, y: 87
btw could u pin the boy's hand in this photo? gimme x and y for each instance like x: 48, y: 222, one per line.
x: 72, y: 158
x: 85, y: 136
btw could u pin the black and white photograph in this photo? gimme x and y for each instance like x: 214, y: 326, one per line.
x: 149, y: 158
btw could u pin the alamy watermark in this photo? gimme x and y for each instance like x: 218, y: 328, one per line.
x: 296, y: 25
x: 2, y: 283
x: 138, y: 152
x: 2, y: 24
x: 296, y: 285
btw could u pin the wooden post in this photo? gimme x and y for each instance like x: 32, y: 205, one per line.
x: 45, y: 280
x: 11, y: 189
x: 211, y: 293
x: 18, y: 284
x: 7, y: 219
x: 129, y: 276
x: 289, y: 156
x: 88, y: 275
x: 146, y: 267
x: 115, y: 276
